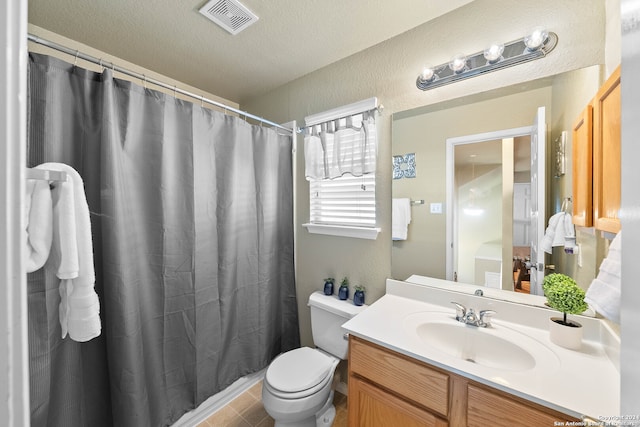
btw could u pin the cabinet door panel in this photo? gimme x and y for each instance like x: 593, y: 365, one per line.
x: 606, y: 141
x: 486, y: 408
x: 370, y: 406
x: 583, y: 169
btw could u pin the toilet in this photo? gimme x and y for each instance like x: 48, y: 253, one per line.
x: 297, y: 387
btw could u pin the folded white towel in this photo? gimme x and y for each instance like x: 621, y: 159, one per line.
x: 559, y: 229
x: 38, y: 220
x: 549, y: 235
x: 72, y: 257
x: 604, y: 292
x: 400, y: 218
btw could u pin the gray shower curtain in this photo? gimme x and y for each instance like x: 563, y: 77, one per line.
x: 192, y: 227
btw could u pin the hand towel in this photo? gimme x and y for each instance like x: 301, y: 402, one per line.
x: 38, y: 221
x: 559, y: 229
x: 72, y: 257
x: 400, y: 218
x: 549, y: 235
x: 604, y: 292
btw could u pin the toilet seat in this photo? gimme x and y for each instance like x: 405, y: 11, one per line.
x: 299, y: 373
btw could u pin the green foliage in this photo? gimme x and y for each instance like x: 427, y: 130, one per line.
x: 359, y: 288
x: 330, y: 279
x: 564, y: 294
x: 345, y: 282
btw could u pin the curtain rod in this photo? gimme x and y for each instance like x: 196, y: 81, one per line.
x: 146, y: 79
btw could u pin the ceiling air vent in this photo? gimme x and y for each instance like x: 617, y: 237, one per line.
x: 229, y: 14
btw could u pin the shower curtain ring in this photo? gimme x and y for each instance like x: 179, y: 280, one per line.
x: 144, y: 81
x: 174, y: 91
x: 202, y: 101
x: 101, y: 66
x: 75, y: 62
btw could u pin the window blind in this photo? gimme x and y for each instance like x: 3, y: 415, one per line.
x: 344, y: 201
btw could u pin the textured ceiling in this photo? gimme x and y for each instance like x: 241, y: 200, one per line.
x: 291, y: 38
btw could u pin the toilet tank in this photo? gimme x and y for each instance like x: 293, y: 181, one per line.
x: 328, y: 314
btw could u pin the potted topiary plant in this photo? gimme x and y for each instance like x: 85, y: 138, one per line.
x: 328, y: 285
x: 343, y: 292
x: 358, y: 295
x: 564, y: 294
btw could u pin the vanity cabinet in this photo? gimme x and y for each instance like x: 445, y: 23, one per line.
x: 387, y: 388
x: 596, y: 160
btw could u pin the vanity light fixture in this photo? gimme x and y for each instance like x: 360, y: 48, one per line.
x: 535, y: 45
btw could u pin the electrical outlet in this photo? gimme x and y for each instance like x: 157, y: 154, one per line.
x: 436, y: 208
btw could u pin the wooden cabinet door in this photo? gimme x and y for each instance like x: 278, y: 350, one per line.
x: 606, y: 152
x: 370, y: 406
x: 583, y: 169
x: 488, y: 408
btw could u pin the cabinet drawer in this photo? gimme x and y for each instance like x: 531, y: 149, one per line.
x: 400, y: 374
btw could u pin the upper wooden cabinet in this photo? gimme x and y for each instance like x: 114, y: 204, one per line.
x: 606, y: 155
x: 583, y: 169
x: 596, y: 160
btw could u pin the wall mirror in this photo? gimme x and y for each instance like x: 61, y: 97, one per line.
x: 425, y: 131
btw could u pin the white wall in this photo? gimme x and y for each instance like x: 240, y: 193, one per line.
x: 630, y: 209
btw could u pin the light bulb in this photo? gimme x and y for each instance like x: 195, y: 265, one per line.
x: 458, y: 63
x: 493, y: 53
x: 536, y: 39
x: 428, y: 74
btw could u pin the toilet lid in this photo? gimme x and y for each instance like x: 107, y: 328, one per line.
x: 298, y: 370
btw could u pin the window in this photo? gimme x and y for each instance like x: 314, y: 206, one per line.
x: 340, y: 163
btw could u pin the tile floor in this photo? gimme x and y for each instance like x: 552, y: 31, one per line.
x: 247, y: 411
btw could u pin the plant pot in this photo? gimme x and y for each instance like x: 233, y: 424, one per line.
x: 328, y: 288
x: 565, y: 336
x: 358, y: 297
x: 343, y: 292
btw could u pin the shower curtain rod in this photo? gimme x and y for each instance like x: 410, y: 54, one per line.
x: 77, y: 54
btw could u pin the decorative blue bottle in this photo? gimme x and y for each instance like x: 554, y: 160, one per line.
x: 328, y: 287
x: 343, y: 292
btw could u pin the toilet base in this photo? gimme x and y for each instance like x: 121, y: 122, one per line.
x: 323, y: 418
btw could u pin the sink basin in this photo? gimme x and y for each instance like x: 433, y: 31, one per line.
x: 497, y: 347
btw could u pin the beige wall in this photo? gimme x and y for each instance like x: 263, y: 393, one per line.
x: 389, y: 71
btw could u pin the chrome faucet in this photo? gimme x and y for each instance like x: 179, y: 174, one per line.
x: 469, y: 317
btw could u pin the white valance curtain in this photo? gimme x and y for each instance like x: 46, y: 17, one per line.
x: 342, y: 146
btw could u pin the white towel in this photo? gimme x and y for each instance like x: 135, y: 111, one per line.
x: 38, y: 221
x: 559, y: 229
x: 400, y: 218
x: 604, y: 292
x: 72, y: 257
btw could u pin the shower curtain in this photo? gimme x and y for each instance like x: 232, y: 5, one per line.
x: 192, y: 225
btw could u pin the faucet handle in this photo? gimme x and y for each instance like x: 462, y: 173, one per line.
x: 485, y: 314
x: 461, y: 310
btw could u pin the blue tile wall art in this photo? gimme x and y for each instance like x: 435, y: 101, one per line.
x: 404, y: 166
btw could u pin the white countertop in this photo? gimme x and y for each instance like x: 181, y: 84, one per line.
x: 578, y: 383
